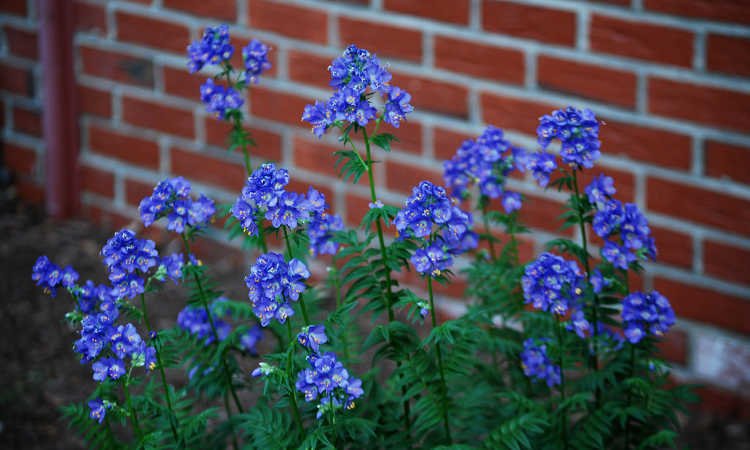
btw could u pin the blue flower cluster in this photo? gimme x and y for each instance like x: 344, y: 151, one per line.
x: 194, y: 320
x: 173, y: 265
x: 355, y: 76
x: 624, y: 228
x: 272, y: 283
x: 578, y: 133
x: 552, y: 284
x: 98, y: 409
x: 89, y: 296
x: 171, y: 198
x: 219, y: 99
x: 486, y: 162
x: 536, y: 364
x: 429, y: 213
x: 127, y: 258
x: 255, y: 56
x: 49, y: 276
x: 213, y: 48
x: 326, y: 380
x: 646, y: 314
x: 322, y: 225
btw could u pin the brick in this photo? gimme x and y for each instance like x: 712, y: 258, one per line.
x: 292, y: 21
x: 207, y: 169
x: 726, y: 160
x: 624, y: 181
x: 409, y: 135
x: 21, y: 42
x: 646, y: 144
x: 553, y: 26
x: 673, y: 247
x: 118, y: 67
x: 728, y: 54
x: 308, y: 68
x: 135, y: 191
x: 159, y: 117
x: 453, y: 11
x: 150, y: 32
x: 712, y: 106
x: 722, y: 403
x: 384, y: 40
x: 19, y: 159
x: 278, y: 106
x: 15, y: 7
x: 126, y: 147
x: 673, y: 346
x: 97, y: 181
x: 219, y: 9
x: 485, y: 61
x: 108, y: 219
x: 511, y: 113
x: 27, y: 121
x: 544, y: 214
x: 725, y: 10
x: 446, y: 142
x: 691, y: 203
x: 90, y: 17
x: 317, y: 156
x: 402, y: 177
x: 181, y: 83
x: 706, y: 305
x: 268, y: 143
x: 613, y: 2
x: 15, y: 80
x: 587, y: 80
x: 726, y: 262
x: 641, y: 40
x: 94, y: 101
x: 30, y: 192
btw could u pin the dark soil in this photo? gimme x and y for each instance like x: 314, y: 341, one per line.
x: 40, y: 373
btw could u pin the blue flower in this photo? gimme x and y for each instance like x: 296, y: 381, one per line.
x: 195, y: 321
x: 272, y: 283
x: 626, y: 233
x: 432, y: 260
x: 397, y: 106
x: 108, y: 367
x: 646, y: 314
x: 249, y: 340
x: 427, y: 206
x: 600, y: 190
x: 598, y: 282
x: 255, y: 56
x: 322, y: 225
x: 552, y: 284
x: 126, y: 258
x: 49, y: 276
x: 290, y: 209
x: 98, y: 410
x: 511, y: 202
x: 541, y: 166
x: 578, y: 132
x: 329, y: 382
x: 212, y: 49
x: 171, y: 198
x: 312, y: 337
x: 536, y: 363
x: 125, y: 341
x: 173, y: 265
x: 220, y: 100
x: 319, y: 116
x: 96, y: 332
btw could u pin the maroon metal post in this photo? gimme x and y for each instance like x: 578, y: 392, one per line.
x: 59, y: 113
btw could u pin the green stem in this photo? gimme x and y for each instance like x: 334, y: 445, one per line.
x: 593, y: 360
x: 133, y: 415
x: 444, y: 386
x: 292, y: 390
x: 215, y: 334
x: 173, y: 421
x: 289, y: 258
x: 490, y: 239
x: 561, y: 361
x: 383, y: 256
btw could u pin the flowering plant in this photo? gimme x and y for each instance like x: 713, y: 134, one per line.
x: 557, y: 352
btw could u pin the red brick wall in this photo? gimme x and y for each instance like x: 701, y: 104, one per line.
x: 668, y: 77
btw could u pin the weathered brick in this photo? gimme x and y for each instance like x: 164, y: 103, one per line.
x: 126, y: 147
x: 706, y: 305
x: 20, y: 159
x: 651, y: 145
x: 94, y: 101
x: 151, y: 32
x: 433, y: 95
x: 16, y: 80
x: 135, y: 191
x: 500, y: 64
x: 673, y: 346
x: 118, y: 67
x: 402, y: 177
x: 726, y: 261
x: 718, y: 107
x: 278, y: 106
x: 89, y: 17
x: 453, y: 11
x: 27, y: 121
x: 446, y: 142
x: 98, y: 181
x: 553, y: 26
x: 725, y: 10
x: 267, y: 143
x: 384, y: 40
x: 21, y: 42
x: 219, y: 9
x: 204, y: 168
x: 587, y: 80
x: 513, y: 113
x: 726, y: 160
x: 543, y: 214
x: 673, y: 247
x: 308, y: 68
x: 692, y: 203
x: 181, y: 83
x: 15, y: 7
x: 728, y: 54
x: 641, y: 40
x: 296, y: 22
x: 157, y: 116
